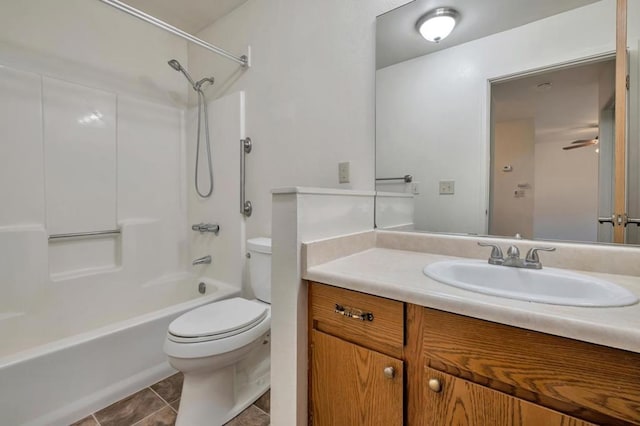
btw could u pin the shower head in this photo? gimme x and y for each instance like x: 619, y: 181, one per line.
x: 176, y: 66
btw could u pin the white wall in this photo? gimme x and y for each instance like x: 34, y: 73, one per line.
x: 59, y: 63
x: 560, y: 176
x: 309, y: 92
x: 433, y: 110
x: 512, y: 214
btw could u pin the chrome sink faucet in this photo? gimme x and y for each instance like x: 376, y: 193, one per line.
x: 531, y: 260
x: 513, y: 258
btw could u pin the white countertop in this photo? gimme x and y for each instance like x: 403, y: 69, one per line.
x: 397, y: 274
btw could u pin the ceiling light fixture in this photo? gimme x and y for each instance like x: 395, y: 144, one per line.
x: 437, y: 24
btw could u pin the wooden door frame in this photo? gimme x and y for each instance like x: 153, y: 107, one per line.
x: 620, y: 177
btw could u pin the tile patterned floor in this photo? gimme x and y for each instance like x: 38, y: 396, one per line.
x: 158, y: 405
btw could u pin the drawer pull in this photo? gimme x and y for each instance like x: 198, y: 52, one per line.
x: 435, y: 385
x: 389, y: 372
x: 353, y: 313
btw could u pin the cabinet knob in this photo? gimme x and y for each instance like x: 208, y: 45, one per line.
x: 389, y: 372
x: 435, y: 385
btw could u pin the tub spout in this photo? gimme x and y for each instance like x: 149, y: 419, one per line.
x: 202, y: 260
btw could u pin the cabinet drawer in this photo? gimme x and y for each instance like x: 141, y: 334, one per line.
x: 382, y: 332
x: 588, y: 381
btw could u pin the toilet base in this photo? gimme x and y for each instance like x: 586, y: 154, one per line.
x: 213, y: 398
x: 205, y: 405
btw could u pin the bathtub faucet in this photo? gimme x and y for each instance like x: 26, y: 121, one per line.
x: 202, y: 260
x: 206, y: 227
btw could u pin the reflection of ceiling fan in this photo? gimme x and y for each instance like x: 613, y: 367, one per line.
x: 581, y: 143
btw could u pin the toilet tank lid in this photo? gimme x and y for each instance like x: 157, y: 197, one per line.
x: 260, y: 245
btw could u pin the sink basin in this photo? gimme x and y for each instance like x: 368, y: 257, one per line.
x: 547, y: 285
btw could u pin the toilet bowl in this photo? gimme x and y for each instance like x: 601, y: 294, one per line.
x: 223, y: 349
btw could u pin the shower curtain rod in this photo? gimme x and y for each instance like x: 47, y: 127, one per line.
x: 242, y: 60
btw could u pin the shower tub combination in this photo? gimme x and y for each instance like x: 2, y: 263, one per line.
x: 107, y: 351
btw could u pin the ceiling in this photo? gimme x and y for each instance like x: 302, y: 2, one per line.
x: 191, y: 16
x: 398, y: 40
x: 568, y: 110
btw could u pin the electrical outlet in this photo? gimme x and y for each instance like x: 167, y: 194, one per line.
x: 447, y: 187
x: 343, y: 172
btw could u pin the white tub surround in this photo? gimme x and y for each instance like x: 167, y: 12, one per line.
x: 227, y: 248
x: 391, y: 266
x: 302, y: 214
x: 64, y: 380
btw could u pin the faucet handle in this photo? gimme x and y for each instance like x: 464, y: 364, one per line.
x: 496, y: 257
x: 532, y: 254
x: 206, y: 227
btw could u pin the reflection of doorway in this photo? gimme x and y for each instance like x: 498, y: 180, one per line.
x: 538, y: 189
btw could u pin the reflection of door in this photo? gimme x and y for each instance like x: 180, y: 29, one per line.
x: 605, y: 173
x: 617, y: 215
x: 620, y: 205
x: 544, y: 152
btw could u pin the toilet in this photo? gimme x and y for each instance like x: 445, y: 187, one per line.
x: 223, y: 349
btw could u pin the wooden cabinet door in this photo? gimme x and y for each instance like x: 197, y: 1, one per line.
x: 349, y: 385
x: 460, y: 402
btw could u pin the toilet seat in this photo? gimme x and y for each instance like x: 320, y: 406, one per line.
x: 193, y: 349
x: 217, y: 320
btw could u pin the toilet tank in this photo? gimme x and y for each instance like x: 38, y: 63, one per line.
x: 260, y: 267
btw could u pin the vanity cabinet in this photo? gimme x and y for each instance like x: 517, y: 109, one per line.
x: 515, y: 376
x: 356, y: 358
x: 353, y: 385
x: 450, y: 369
x: 450, y: 400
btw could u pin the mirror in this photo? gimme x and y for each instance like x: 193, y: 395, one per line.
x: 438, y: 109
x: 552, y: 145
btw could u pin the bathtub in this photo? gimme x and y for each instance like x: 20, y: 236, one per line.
x: 93, y: 356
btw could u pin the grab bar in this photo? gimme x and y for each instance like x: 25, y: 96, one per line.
x: 245, y: 148
x: 84, y: 234
x: 406, y: 178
